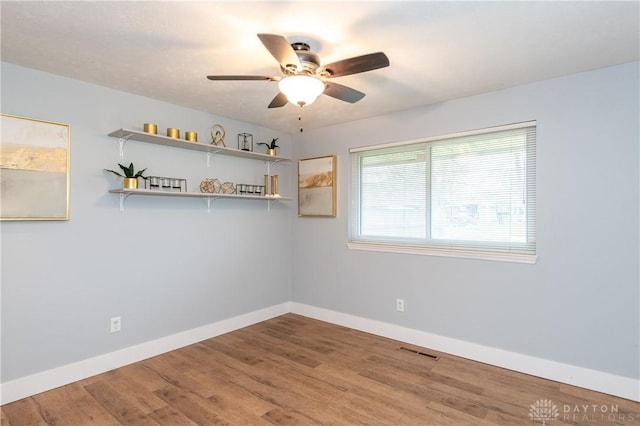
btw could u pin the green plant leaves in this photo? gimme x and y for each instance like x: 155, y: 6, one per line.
x: 129, y: 171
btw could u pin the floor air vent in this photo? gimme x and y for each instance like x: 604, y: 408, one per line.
x: 431, y: 356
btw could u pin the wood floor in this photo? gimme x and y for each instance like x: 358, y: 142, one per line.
x: 292, y: 370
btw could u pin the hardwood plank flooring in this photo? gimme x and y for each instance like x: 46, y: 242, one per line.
x: 293, y: 370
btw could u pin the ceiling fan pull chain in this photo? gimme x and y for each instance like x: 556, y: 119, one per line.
x: 300, y: 120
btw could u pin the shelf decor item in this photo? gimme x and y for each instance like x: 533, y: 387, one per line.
x: 150, y: 128
x: 172, y: 132
x: 228, y: 188
x: 130, y: 175
x: 191, y: 136
x: 163, y: 183
x: 271, y: 146
x: 34, y: 158
x: 217, y: 135
x: 244, y: 188
x: 210, y: 186
x: 317, y: 186
x: 245, y: 141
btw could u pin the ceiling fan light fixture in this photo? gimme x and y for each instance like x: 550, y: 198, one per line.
x: 301, y: 89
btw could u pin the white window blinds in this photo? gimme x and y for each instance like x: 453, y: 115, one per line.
x: 470, y: 195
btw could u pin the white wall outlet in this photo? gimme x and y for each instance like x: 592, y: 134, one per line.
x: 400, y: 305
x: 116, y: 324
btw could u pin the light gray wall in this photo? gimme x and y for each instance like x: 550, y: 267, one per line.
x: 164, y: 265
x: 62, y: 281
x: 580, y: 303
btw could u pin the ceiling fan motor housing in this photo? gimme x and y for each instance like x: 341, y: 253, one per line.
x: 310, y: 61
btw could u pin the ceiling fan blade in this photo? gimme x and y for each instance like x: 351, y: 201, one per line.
x: 243, y: 77
x: 279, y: 101
x: 280, y: 49
x: 355, y: 65
x: 343, y: 93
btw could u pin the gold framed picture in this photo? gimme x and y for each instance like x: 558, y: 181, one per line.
x: 317, y: 186
x: 34, y: 169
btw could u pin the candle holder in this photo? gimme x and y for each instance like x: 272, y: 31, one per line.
x: 150, y: 128
x: 245, y: 141
x: 164, y: 183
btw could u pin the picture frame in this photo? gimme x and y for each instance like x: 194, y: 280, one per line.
x: 34, y: 169
x: 317, y: 187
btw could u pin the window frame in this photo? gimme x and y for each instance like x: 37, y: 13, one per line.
x: 455, y: 248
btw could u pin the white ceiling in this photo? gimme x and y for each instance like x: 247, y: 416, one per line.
x: 438, y: 50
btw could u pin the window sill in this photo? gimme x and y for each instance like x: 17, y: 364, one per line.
x: 445, y: 252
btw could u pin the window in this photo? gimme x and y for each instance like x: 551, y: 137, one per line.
x: 468, y: 195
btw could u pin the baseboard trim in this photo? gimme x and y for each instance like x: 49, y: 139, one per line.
x: 599, y: 381
x: 56, y: 377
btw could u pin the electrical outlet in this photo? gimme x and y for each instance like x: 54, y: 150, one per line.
x: 116, y: 324
x: 400, y: 305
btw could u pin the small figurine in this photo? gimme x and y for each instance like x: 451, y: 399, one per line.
x: 217, y: 135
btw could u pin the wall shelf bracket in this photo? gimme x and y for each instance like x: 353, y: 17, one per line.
x: 123, y: 198
x: 210, y: 154
x: 272, y: 201
x: 210, y: 201
x: 271, y: 163
x: 121, y: 141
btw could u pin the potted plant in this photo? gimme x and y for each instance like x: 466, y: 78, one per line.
x: 271, y: 147
x: 130, y: 175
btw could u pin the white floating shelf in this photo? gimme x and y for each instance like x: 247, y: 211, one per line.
x: 127, y: 134
x: 124, y: 193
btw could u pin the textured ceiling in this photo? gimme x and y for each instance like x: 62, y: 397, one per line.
x: 438, y: 50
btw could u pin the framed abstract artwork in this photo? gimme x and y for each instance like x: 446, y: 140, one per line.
x: 317, y: 186
x: 34, y: 169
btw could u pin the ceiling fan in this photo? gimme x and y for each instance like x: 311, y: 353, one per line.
x: 304, y: 77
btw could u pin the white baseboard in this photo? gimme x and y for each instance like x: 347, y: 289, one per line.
x: 56, y: 377
x: 611, y: 384
x: 599, y: 381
